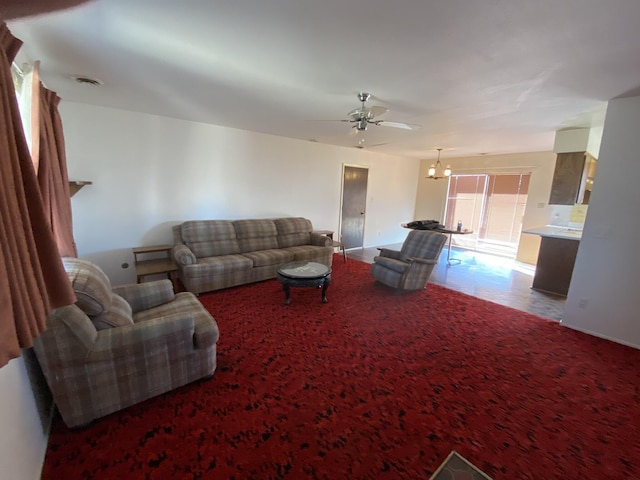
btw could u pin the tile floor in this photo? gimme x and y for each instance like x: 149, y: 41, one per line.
x: 490, y: 277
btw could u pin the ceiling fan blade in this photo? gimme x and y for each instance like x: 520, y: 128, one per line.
x: 375, y: 111
x: 356, y: 113
x: 387, y: 123
x: 362, y: 145
x: 329, y: 120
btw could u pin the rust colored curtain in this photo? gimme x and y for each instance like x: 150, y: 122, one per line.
x: 23, y: 8
x: 32, y: 279
x: 52, y: 173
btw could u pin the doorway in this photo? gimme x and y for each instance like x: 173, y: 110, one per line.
x: 490, y: 205
x: 354, y: 205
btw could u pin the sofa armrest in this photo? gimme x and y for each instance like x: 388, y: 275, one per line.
x: 320, y: 240
x: 387, y: 252
x: 183, y: 255
x: 172, y: 332
x: 142, y: 296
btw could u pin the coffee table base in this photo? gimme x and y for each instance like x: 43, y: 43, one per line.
x: 304, y: 282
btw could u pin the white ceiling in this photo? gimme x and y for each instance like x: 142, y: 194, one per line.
x: 479, y: 76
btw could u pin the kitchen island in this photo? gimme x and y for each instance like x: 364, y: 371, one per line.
x: 557, y: 255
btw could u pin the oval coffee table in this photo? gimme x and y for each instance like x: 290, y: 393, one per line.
x: 304, y: 274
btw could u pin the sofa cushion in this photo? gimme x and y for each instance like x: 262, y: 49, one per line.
x: 220, y: 265
x: 256, y: 235
x: 311, y: 253
x: 90, y: 284
x: 207, y: 238
x: 141, y: 296
x: 392, y: 264
x: 265, y: 258
x: 118, y: 314
x: 293, y: 231
x: 292, y: 225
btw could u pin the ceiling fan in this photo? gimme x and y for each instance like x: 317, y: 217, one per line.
x: 364, y: 116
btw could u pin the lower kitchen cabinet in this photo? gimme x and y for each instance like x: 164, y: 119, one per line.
x: 555, y: 265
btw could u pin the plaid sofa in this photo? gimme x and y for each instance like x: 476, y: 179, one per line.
x: 216, y: 254
x: 411, y: 267
x: 116, y: 347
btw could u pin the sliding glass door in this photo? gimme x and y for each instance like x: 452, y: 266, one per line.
x: 490, y: 205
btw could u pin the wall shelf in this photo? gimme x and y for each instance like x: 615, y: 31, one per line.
x: 75, y: 185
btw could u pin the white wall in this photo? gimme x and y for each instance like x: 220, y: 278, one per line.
x: 151, y: 172
x: 431, y: 197
x: 603, y: 295
x: 23, y: 442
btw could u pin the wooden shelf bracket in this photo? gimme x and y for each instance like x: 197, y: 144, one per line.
x: 75, y: 185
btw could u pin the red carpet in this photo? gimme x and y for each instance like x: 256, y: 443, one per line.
x: 376, y: 385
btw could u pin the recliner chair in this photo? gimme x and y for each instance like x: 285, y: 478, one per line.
x: 411, y: 267
x: 117, y: 347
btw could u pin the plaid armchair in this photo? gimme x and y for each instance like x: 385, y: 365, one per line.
x: 117, y: 347
x: 411, y: 267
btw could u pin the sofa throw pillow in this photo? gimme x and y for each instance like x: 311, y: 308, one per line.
x: 118, y: 315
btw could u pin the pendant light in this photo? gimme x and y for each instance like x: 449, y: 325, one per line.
x: 435, y: 170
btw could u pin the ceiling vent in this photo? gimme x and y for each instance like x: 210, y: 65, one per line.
x: 87, y: 80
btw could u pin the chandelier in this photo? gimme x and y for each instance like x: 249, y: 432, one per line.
x: 436, y: 171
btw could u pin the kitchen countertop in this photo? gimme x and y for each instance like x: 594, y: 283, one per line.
x: 556, y: 231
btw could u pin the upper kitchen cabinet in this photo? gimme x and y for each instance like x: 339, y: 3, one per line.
x: 566, y: 178
x: 577, y: 150
x: 588, y: 175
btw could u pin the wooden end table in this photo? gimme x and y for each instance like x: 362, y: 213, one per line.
x: 154, y: 260
x: 334, y: 243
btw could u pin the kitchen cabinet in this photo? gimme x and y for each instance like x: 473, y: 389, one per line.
x: 572, y: 178
x: 554, y: 268
x: 556, y: 258
x: 567, y: 178
x: 588, y: 176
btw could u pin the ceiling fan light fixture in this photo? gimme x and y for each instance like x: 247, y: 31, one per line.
x: 436, y: 171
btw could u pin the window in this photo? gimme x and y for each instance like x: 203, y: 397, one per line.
x: 490, y: 205
x: 23, y: 80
